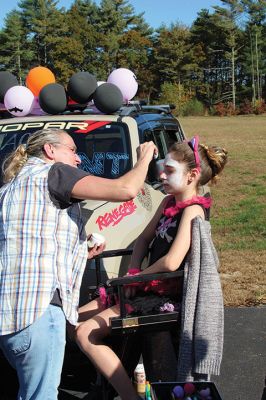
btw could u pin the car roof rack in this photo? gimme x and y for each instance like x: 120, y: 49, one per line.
x: 160, y: 107
x: 133, y: 107
x: 138, y: 106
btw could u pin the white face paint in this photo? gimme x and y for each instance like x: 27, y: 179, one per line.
x: 174, y: 174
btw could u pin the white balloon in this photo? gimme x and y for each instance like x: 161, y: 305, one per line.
x: 126, y: 81
x: 19, y: 101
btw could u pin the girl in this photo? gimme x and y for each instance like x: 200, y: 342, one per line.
x: 187, y: 166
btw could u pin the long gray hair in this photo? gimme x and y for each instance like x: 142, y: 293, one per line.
x: 33, y: 148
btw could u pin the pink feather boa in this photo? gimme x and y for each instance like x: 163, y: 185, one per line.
x: 173, y: 207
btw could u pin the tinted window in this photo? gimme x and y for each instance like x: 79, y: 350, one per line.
x: 104, y: 148
x: 163, y: 138
x: 105, y: 151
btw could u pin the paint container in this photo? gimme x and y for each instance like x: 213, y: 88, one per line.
x: 96, y: 239
x: 140, y: 378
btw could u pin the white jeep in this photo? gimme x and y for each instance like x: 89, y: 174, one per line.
x: 107, y: 147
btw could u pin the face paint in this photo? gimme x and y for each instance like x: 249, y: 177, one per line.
x: 174, y: 173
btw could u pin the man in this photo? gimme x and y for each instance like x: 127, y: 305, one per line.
x: 43, y: 251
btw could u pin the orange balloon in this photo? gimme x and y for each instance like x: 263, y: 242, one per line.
x: 37, y: 78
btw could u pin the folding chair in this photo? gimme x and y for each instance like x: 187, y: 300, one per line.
x: 127, y: 326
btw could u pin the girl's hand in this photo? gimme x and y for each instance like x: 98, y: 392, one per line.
x: 133, y: 271
x: 130, y: 290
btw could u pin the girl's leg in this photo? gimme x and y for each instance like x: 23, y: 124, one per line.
x: 90, y: 309
x: 86, y: 312
x: 89, y: 335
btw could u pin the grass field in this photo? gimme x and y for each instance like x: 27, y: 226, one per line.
x: 239, y: 210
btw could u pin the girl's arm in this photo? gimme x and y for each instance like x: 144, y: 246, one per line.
x: 140, y: 249
x: 181, y: 244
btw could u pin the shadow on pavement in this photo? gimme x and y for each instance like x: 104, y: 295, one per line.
x: 242, y: 373
x: 244, y: 360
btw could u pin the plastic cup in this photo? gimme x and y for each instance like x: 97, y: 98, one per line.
x: 96, y: 239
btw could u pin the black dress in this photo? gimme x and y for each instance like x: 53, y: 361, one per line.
x: 158, y: 293
x: 162, y: 365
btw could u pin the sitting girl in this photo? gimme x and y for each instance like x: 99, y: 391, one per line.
x: 187, y: 166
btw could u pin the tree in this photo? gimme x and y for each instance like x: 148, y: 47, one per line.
x: 118, y: 26
x: 205, y: 34
x: 15, y: 48
x: 44, y: 25
x: 214, y: 33
x: 76, y: 49
x: 176, y: 57
x: 226, y: 18
x: 256, y: 11
x: 135, y: 53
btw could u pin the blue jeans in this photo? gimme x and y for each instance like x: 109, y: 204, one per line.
x: 37, y: 354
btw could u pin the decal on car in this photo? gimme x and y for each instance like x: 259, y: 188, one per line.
x: 116, y: 215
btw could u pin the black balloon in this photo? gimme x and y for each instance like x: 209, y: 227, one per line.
x: 7, y: 80
x: 81, y: 87
x: 53, y: 99
x: 108, y: 98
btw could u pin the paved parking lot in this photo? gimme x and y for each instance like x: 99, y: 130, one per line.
x: 244, y: 361
x: 243, y: 368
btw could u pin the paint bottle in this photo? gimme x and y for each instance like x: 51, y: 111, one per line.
x: 148, y: 391
x: 140, y: 378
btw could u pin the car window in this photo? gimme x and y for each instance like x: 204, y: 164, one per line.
x: 104, y: 151
x: 104, y: 147
x: 163, y: 138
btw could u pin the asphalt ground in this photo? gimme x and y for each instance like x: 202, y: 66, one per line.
x: 243, y: 368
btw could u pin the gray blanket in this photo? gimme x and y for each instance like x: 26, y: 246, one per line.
x: 202, y: 324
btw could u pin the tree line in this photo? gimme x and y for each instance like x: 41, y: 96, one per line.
x: 217, y: 63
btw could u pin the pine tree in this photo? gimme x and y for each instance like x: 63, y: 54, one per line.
x: 216, y: 33
x: 176, y: 56
x: 227, y: 18
x: 45, y: 26
x: 116, y: 20
x: 75, y: 51
x: 16, y: 54
x: 255, y: 60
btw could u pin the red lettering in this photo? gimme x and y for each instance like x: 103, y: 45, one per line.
x: 92, y: 125
x: 116, y: 215
x: 101, y: 221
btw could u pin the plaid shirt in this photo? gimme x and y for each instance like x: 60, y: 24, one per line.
x: 41, y: 248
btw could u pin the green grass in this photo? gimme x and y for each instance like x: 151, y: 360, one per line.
x: 244, y: 222
x: 238, y: 215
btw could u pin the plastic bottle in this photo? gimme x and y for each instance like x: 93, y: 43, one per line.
x: 148, y: 391
x: 140, y: 378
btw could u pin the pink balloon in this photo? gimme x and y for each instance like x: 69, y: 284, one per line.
x: 19, y: 101
x: 126, y: 81
x: 36, y: 109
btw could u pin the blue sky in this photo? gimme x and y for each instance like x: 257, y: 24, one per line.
x: 156, y: 11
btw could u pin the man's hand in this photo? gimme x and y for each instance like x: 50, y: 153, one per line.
x: 96, y: 250
x: 147, y: 150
